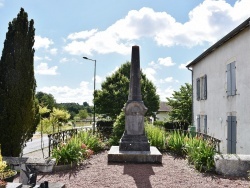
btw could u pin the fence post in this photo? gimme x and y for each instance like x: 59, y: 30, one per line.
x: 49, y: 143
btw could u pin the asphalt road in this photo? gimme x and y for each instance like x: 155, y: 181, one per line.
x: 35, y: 144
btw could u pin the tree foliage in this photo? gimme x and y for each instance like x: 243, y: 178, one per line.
x: 45, y: 99
x: 115, y: 89
x: 74, y: 108
x: 60, y: 115
x: 181, y: 104
x: 18, y: 108
x: 83, y: 114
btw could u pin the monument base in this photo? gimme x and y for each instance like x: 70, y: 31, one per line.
x: 152, y: 156
x: 134, y: 143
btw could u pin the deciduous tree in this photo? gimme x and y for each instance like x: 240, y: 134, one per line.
x: 181, y: 104
x: 115, y: 89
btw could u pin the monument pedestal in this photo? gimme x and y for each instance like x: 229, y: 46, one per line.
x: 151, y: 156
x: 134, y: 143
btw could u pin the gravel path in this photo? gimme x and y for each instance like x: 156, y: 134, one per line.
x: 172, y: 173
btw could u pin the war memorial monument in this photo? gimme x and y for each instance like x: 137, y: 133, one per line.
x: 134, y: 146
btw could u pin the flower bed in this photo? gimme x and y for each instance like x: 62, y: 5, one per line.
x: 77, y: 149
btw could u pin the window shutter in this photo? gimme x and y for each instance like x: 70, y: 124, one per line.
x: 233, y: 78
x: 205, y: 124
x: 229, y: 89
x: 205, y: 87
x: 233, y: 134
x: 229, y: 134
x: 198, y: 89
x: 198, y: 123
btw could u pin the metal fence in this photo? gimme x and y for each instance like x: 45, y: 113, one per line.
x: 63, y: 136
x: 215, y: 141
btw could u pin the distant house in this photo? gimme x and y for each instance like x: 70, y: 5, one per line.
x: 162, y: 113
x: 221, y: 90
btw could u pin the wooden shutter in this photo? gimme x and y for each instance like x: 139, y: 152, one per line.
x: 229, y: 88
x: 198, y: 123
x: 205, y: 87
x: 233, y: 78
x: 231, y: 134
x: 233, y: 131
x: 205, y: 124
x: 198, y: 94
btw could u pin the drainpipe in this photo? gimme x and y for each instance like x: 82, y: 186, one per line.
x: 192, y: 98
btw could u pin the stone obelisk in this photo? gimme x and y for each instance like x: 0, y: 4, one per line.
x: 134, y: 146
x: 134, y: 138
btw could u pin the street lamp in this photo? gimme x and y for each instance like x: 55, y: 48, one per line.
x: 94, y: 89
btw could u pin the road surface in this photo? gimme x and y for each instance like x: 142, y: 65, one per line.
x: 35, y: 144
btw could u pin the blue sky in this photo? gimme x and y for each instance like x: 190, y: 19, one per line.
x: 170, y: 33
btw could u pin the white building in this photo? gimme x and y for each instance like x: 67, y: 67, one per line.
x: 163, y: 111
x: 221, y: 87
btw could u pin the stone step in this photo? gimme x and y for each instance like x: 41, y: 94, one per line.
x: 152, y: 156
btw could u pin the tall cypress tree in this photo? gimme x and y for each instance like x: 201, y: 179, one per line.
x: 18, y: 109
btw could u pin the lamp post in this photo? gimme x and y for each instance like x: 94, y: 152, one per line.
x: 94, y: 89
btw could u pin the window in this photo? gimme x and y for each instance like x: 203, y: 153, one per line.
x: 201, y: 88
x: 202, y: 123
x: 231, y: 79
x: 231, y: 134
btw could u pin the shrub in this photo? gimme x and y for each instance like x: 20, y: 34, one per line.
x: 169, y: 125
x: 104, y: 127
x: 68, y: 153
x: 166, y: 125
x: 200, y: 153
x: 156, y: 136
x: 78, y: 148
x: 118, y: 129
x: 92, y: 141
x: 159, y: 123
x: 176, y: 142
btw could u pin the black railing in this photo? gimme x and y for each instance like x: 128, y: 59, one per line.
x: 63, y: 136
x: 215, y: 141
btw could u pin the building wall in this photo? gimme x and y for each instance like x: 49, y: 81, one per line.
x: 162, y: 116
x: 218, y: 105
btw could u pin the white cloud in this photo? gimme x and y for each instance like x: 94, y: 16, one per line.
x: 42, y: 42
x: 207, y: 22
x: 82, y: 34
x: 169, y: 79
x: 169, y: 91
x: 64, y: 60
x: 53, y: 51
x: 165, y: 93
x: 44, y: 69
x: 98, y: 79
x: 113, y: 71
x: 150, y: 72
x: 154, y: 65
x: 71, y: 60
x: 1, y: 3
x: 240, y: 10
x: 47, y: 58
x: 102, y: 42
x: 36, y: 58
x: 183, y: 65
x: 64, y: 94
x: 166, y: 61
